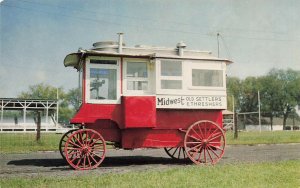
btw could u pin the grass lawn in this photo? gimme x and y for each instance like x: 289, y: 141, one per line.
x: 281, y: 174
x: 25, y: 142
x: 264, y: 137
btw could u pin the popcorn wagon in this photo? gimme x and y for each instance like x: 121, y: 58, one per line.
x: 147, y: 97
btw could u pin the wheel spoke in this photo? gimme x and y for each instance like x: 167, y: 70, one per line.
x: 205, y: 133
x: 91, y: 139
x: 199, y: 136
x: 212, y: 133
x: 96, y: 154
x: 84, y: 160
x: 78, y: 141
x: 74, y: 144
x: 179, y: 153
x: 200, y: 152
x: 219, y: 134
x: 204, y: 152
x: 194, y: 142
x: 210, y: 156
x: 174, y: 152
x: 194, y: 148
x: 200, y: 131
x: 94, y: 159
x: 193, y: 137
x: 213, y: 152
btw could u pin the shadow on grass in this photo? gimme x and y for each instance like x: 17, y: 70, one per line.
x: 121, y: 161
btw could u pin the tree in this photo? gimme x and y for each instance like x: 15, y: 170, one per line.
x: 281, y: 92
x: 74, y: 98
x: 233, y: 89
x: 48, y: 92
x: 270, y: 97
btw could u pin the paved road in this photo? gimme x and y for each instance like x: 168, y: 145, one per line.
x: 122, y: 161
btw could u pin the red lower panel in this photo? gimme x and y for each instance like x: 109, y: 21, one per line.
x: 182, y: 119
x: 139, y: 111
x: 151, y: 138
x: 108, y: 129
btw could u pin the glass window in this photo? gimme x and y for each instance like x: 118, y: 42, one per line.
x: 171, y: 84
x: 137, y: 76
x: 137, y: 85
x: 137, y: 69
x: 103, y: 84
x: 171, y: 68
x: 208, y: 78
x: 171, y: 74
x: 107, y: 62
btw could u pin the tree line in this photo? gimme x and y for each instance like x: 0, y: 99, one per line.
x: 279, y: 94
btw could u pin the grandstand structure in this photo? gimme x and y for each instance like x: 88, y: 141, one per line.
x: 19, y: 115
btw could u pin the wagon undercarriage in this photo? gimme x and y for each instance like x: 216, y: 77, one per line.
x: 203, y: 143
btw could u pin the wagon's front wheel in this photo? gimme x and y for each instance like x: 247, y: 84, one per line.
x: 176, y: 153
x: 204, y: 142
x: 85, y: 149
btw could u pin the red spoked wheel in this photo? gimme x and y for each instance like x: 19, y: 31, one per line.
x: 85, y: 149
x: 62, y: 142
x: 204, y: 142
x: 176, y: 153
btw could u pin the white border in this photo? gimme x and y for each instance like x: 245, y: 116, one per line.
x: 148, y: 79
x: 106, y: 66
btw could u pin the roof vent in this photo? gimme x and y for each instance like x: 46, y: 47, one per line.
x: 105, y: 44
x: 181, y: 45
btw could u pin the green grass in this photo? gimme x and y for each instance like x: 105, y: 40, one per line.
x: 25, y: 142
x: 280, y: 174
x: 265, y: 137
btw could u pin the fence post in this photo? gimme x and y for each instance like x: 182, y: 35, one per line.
x: 38, y: 128
x: 235, y: 135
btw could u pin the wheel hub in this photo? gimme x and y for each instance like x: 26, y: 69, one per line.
x: 85, y: 149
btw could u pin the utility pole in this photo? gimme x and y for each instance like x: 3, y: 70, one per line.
x: 57, y: 108
x: 218, y: 34
x: 235, y: 126
x: 259, y: 119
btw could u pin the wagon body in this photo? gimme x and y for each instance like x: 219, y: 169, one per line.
x: 148, y: 97
x: 142, y: 127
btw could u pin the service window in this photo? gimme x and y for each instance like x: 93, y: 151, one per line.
x: 136, y: 76
x: 170, y: 77
x: 207, y: 75
x: 207, y: 78
x: 102, y: 80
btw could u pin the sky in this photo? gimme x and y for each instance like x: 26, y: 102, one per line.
x: 35, y: 35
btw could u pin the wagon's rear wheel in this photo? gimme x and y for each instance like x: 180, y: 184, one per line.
x: 62, y: 142
x: 85, y: 149
x: 204, y: 142
x: 176, y: 153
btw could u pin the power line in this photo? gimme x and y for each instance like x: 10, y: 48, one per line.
x: 112, y: 23
x: 173, y: 22
x: 144, y: 27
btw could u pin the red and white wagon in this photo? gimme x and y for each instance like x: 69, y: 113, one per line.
x: 147, y: 97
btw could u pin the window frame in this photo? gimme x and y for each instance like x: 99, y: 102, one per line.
x: 126, y: 79
x: 103, y: 66
x: 205, y: 66
x: 159, y: 78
